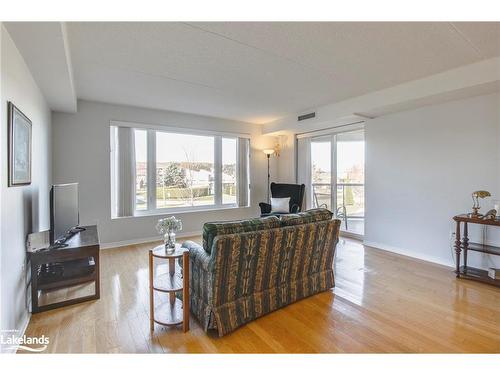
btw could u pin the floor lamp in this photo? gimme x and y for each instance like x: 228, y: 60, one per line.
x: 268, y: 153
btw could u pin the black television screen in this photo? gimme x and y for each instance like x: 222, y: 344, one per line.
x: 63, y: 210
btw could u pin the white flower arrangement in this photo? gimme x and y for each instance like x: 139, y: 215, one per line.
x: 168, y: 224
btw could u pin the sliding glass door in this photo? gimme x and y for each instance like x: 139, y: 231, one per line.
x: 338, y: 165
x: 350, y: 179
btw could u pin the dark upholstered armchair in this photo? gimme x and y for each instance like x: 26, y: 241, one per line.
x: 294, y: 191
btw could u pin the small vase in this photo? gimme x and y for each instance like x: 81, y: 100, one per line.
x: 169, y: 239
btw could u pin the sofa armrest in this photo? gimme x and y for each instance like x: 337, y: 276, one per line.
x: 265, y: 208
x: 197, y: 254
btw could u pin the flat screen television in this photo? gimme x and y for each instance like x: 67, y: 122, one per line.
x: 64, y: 214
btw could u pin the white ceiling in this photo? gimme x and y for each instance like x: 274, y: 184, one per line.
x: 479, y: 78
x: 259, y: 72
x: 44, y: 48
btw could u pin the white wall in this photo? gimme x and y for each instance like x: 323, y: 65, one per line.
x: 421, y: 168
x: 81, y: 154
x: 24, y: 209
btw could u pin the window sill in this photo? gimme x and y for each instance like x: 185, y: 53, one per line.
x: 181, y: 210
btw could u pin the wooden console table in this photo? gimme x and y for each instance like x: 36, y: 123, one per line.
x: 74, y: 264
x: 466, y: 272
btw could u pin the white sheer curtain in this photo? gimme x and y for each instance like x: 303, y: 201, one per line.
x: 243, y: 177
x: 124, y: 159
x: 304, y: 168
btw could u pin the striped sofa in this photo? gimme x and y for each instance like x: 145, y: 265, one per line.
x: 249, y: 268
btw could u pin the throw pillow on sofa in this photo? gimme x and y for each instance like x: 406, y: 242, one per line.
x: 213, y: 229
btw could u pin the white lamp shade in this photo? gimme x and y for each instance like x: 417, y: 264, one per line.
x: 269, y: 151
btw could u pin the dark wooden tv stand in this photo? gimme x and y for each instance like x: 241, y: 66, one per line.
x: 74, y: 264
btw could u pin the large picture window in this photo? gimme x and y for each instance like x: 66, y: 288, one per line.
x: 177, y: 171
x: 185, y: 170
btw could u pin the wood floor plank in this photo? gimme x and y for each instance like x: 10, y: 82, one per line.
x: 382, y: 303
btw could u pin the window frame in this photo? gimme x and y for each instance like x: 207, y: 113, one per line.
x: 151, y: 209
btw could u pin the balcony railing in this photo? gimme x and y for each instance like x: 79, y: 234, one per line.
x: 350, y: 197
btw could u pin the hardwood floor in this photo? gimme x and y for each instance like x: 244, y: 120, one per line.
x: 382, y: 303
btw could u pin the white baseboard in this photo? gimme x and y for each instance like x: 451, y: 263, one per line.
x: 409, y: 253
x: 137, y: 241
x: 354, y: 236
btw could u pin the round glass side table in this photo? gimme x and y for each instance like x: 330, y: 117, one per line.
x: 174, y: 311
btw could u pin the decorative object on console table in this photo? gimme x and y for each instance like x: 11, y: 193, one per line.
x: 167, y: 227
x: 466, y: 272
x: 61, y: 267
x: 19, y: 147
x: 475, y: 200
x: 490, y: 215
x: 174, y: 311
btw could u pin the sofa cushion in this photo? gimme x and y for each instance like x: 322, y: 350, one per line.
x: 215, y: 228
x: 309, y: 216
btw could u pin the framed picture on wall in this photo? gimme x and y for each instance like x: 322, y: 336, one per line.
x: 19, y: 135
